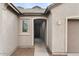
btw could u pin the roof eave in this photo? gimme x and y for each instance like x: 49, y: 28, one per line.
x: 47, y: 11
x: 14, y: 8
x: 32, y: 14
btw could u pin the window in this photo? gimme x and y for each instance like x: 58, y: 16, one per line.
x: 25, y: 26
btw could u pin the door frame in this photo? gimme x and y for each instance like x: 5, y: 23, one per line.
x: 33, y: 29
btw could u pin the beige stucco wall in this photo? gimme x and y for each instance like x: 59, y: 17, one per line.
x: 59, y: 15
x: 26, y: 40
x: 8, y: 31
x: 50, y: 36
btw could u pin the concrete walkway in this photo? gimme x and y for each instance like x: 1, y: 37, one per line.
x: 73, y: 54
x: 40, y: 48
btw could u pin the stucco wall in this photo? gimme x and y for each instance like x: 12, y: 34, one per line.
x: 59, y: 15
x: 8, y: 31
x: 25, y: 38
x: 50, y: 36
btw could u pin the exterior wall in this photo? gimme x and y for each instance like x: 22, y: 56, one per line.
x: 8, y: 31
x: 50, y: 26
x: 59, y: 15
x: 26, y: 40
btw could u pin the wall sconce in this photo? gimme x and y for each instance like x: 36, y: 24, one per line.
x: 59, y: 22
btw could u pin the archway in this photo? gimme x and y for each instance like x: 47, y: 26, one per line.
x: 39, y: 31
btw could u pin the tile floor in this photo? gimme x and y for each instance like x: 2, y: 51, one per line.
x: 24, y: 52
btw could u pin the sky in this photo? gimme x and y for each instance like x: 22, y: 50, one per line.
x: 30, y: 5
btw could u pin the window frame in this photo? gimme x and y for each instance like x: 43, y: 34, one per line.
x: 21, y: 27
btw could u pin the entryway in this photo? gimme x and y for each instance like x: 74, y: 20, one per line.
x: 73, y: 37
x: 39, y: 37
x: 39, y: 48
x: 39, y: 30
